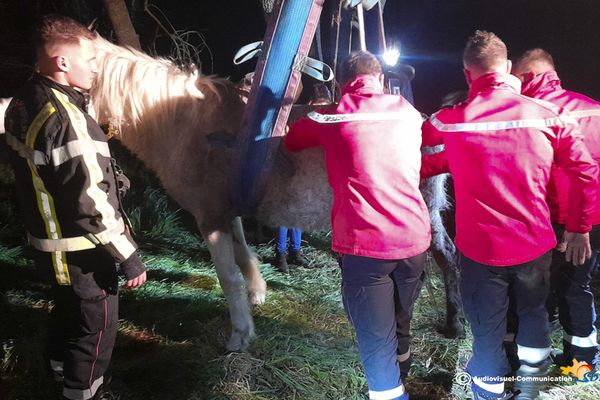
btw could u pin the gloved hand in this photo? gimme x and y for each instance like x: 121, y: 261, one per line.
x: 134, y: 270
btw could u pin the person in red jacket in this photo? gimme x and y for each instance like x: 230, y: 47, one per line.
x: 379, y: 219
x: 570, y: 285
x: 499, y: 148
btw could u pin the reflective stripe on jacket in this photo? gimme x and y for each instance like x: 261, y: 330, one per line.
x: 371, y: 142
x: 587, y: 113
x: 65, y: 182
x: 500, y: 147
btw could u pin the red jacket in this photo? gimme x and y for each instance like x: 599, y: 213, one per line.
x: 500, y: 147
x: 587, y: 113
x: 371, y: 142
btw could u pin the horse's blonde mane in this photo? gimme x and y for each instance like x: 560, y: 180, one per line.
x: 131, y: 84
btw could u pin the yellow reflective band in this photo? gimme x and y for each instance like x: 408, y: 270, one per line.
x: 44, y: 199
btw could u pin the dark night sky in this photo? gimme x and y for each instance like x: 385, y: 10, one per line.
x: 432, y: 34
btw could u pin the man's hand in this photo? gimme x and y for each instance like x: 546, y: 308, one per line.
x: 576, y: 247
x: 136, y: 282
x: 134, y: 270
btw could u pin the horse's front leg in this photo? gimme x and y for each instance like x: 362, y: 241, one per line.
x: 248, y: 263
x: 220, y: 245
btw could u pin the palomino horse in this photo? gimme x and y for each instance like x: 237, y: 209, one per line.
x: 181, y: 126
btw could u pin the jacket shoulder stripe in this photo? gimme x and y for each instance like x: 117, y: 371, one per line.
x: 36, y: 156
x: 78, y: 148
x: 337, y: 118
x: 558, y: 121
x: 594, y: 112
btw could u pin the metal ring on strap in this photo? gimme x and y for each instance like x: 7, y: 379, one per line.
x: 64, y: 244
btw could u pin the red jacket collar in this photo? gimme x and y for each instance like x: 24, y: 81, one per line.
x: 546, y: 82
x: 363, y: 84
x: 494, y: 80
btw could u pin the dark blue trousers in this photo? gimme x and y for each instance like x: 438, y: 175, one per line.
x: 379, y: 296
x: 485, y: 292
x: 570, y: 290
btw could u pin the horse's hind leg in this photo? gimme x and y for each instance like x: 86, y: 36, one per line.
x: 447, y: 261
x: 220, y: 245
x: 248, y: 263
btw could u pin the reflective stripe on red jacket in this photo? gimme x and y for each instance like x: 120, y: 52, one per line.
x: 500, y: 147
x: 371, y: 142
x: 587, y: 113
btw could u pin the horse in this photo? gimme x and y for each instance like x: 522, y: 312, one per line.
x: 181, y: 124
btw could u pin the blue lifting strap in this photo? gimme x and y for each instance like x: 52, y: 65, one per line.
x: 281, y: 58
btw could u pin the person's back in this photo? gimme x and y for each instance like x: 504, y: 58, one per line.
x: 500, y: 147
x: 502, y: 214
x: 380, y: 222
x: 371, y: 142
x: 541, y: 81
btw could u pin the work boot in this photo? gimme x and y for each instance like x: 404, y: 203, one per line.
x: 507, y: 395
x: 530, y: 388
x: 559, y: 359
x: 281, y: 262
x: 298, y: 259
x: 103, y: 393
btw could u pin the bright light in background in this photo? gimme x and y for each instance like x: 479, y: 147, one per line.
x: 391, y: 56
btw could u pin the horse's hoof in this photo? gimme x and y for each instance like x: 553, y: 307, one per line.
x: 257, y: 298
x: 453, y: 331
x: 239, y: 341
x: 258, y: 294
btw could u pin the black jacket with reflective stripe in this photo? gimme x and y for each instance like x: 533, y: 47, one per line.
x: 65, y: 182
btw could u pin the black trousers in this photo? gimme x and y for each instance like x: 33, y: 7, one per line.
x: 378, y: 297
x: 83, y: 322
x: 571, y: 293
x: 485, y: 292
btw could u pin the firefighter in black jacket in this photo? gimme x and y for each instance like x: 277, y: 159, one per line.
x: 66, y: 190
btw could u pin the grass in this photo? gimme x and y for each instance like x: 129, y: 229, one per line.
x: 173, y: 330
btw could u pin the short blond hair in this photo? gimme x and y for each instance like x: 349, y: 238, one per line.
x: 59, y: 29
x: 484, y: 51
